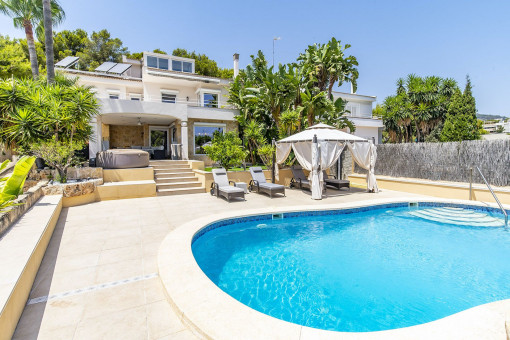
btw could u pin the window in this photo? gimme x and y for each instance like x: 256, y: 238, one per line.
x: 353, y: 110
x: 187, y: 67
x: 203, y: 134
x: 152, y: 62
x: 113, y: 96
x: 168, y: 98
x: 177, y: 65
x: 210, y: 100
x: 135, y: 96
x: 163, y: 63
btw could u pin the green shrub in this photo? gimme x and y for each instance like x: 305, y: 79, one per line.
x: 226, y: 149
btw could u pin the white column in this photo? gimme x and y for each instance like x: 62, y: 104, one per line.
x: 184, y: 139
x: 95, y: 138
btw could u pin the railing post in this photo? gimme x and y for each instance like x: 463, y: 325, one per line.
x: 470, y: 184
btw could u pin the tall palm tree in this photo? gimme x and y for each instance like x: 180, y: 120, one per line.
x: 26, y: 14
x: 48, y: 41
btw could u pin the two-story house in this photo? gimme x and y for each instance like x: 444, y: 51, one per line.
x: 155, y: 103
x: 161, y: 105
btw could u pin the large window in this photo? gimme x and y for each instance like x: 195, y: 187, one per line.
x: 203, y: 134
x: 161, y: 63
x: 169, y: 64
x: 210, y: 99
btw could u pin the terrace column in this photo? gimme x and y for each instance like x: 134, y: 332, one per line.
x: 184, y: 139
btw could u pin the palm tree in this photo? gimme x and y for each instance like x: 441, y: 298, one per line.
x: 48, y: 40
x: 26, y: 14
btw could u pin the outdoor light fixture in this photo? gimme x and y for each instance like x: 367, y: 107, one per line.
x: 139, y: 122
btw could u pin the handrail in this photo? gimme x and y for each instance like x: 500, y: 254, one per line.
x: 494, y: 195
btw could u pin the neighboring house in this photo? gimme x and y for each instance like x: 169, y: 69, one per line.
x: 360, y: 113
x: 160, y: 105
x: 492, y: 126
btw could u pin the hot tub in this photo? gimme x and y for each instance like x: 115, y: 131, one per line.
x: 122, y: 159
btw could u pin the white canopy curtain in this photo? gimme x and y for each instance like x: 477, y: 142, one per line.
x: 365, y: 154
x: 315, y: 157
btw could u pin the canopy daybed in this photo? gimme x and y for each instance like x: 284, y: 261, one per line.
x: 318, y: 147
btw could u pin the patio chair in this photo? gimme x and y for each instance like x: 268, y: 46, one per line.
x: 299, y: 179
x: 221, y: 186
x: 332, y: 181
x: 260, y: 184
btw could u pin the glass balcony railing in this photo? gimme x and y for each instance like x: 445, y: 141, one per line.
x: 167, y: 100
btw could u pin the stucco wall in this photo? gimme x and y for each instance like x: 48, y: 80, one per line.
x: 122, y: 136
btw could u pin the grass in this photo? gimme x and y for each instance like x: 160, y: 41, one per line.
x: 209, y: 168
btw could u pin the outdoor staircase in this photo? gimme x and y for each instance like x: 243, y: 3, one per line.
x: 459, y: 216
x: 175, y: 178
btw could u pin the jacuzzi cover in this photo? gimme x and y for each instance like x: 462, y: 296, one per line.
x: 122, y: 159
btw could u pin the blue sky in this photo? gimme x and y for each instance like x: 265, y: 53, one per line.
x: 390, y: 38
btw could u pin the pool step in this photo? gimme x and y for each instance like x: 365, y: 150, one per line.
x: 458, y: 216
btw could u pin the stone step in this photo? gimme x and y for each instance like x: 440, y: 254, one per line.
x: 168, y: 161
x: 172, y: 171
x: 164, y: 180
x: 164, y: 167
x: 173, y: 175
x: 176, y: 185
x: 181, y: 191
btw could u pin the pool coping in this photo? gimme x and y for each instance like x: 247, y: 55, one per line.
x: 213, y: 314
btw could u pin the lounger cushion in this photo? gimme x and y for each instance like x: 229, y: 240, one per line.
x: 271, y: 186
x: 230, y: 189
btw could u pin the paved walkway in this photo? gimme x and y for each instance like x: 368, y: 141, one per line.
x: 98, y: 278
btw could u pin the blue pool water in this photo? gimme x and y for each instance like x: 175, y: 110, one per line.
x: 364, y: 271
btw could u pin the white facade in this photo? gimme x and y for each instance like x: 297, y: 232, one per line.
x: 360, y: 113
x: 157, y: 101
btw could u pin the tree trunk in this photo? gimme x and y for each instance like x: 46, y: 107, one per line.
x: 31, y: 48
x: 48, y: 39
x: 417, y: 132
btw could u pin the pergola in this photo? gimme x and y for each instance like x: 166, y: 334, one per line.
x: 318, y: 147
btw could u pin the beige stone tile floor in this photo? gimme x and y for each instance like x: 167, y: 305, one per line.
x: 111, y: 241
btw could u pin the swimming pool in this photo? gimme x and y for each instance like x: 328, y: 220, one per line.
x: 363, y: 269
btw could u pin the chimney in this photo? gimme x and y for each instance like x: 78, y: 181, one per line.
x: 236, y: 64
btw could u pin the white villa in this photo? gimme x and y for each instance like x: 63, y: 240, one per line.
x: 161, y: 105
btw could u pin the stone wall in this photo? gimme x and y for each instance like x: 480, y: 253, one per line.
x: 25, y: 201
x: 446, y: 161
x: 124, y: 136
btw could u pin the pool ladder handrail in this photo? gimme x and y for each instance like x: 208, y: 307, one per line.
x: 495, y: 197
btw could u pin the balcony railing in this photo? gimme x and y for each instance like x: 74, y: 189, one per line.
x: 158, y: 99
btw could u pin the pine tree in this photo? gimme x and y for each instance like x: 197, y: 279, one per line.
x: 461, y: 122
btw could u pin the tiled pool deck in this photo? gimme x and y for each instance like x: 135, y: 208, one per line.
x: 99, y: 277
